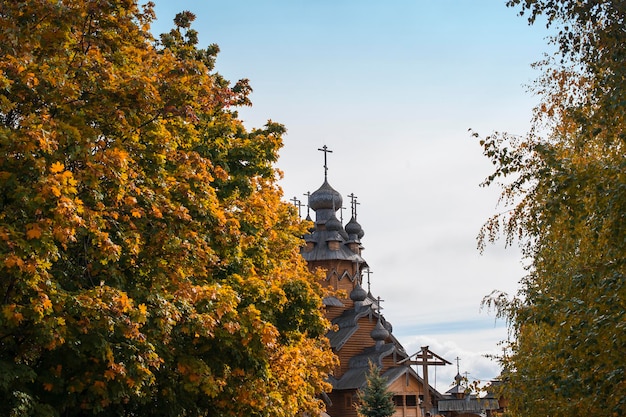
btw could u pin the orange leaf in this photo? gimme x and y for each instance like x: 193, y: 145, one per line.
x: 57, y: 167
x: 55, y: 190
x: 33, y: 231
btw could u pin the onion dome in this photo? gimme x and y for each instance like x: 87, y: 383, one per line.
x: 358, y: 293
x: 353, y: 228
x: 379, y: 333
x: 388, y: 326
x: 458, y: 378
x: 325, y: 198
x: 333, y: 224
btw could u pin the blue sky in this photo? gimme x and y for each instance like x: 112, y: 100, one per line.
x: 392, y: 88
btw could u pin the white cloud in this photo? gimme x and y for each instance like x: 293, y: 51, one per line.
x: 450, y: 346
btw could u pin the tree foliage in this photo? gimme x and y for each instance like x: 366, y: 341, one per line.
x: 567, y: 199
x: 374, y: 399
x: 149, y: 266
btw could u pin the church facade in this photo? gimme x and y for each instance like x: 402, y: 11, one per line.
x: 361, y: 333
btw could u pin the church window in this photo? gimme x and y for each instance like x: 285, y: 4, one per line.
x: 398, y: 400
x: 348, y: 400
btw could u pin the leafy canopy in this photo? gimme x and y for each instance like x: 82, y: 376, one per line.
x: 149, y: 266
x: 567, y: 200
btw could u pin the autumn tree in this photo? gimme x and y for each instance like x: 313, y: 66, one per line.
x: 565, y: 184
x: 374, y: 399
x: 148, y: 263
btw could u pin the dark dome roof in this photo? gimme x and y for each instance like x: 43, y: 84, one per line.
x: 354, y: 228
x: 333, y: 224
x: 325, y: 198
x: 358, y: 293
x: 379, y: 332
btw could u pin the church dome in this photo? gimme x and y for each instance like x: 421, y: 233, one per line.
x: 379, y: 333
x: 354, y: 228
x: 358, y: 293
x: 333, y: 224
x: 326, y: 197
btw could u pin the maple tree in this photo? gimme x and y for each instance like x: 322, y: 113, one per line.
x: 149, y: 266
x: 567, y: 198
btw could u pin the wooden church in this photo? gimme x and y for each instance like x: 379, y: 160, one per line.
x: 361, y: 333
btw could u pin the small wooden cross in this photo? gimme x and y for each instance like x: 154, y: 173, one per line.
x: 353, y: 204
x: 298, y: 204
x: 368, y: 272
x: 308, y: 195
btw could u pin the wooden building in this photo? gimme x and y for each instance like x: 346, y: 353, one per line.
x: 457, y: 402
x: 362, y: 334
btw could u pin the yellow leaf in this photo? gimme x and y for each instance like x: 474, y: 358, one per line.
x: 45, y: 302
x: 7, y: 310
x: 156, y: 212
x: 57, y: 167
x: 55, y: 190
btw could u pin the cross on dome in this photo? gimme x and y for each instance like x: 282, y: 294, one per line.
x: 353, y: 204
x: 378, y: 306
x: 298, y: 204
x: 326, y: 152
